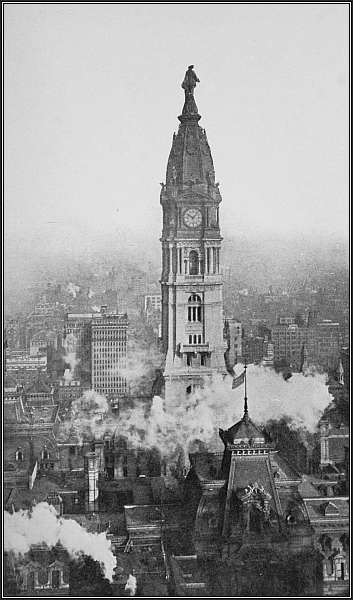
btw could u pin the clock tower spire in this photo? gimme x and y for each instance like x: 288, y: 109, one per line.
x: 191, y: 281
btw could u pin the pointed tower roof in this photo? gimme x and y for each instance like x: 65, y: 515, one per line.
x: 190, y: 161
x: 245, y: 431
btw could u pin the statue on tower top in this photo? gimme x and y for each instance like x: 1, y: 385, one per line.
x: 190, y: 80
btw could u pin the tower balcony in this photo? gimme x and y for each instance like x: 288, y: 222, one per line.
x: 196, y: 348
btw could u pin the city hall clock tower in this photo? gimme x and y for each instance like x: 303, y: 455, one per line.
x: 191, y: 281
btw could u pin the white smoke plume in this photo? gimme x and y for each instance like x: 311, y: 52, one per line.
x: 199, y: 415
x: 72, y: 289
x: 24, y: 529
x: 139, y: 368
x: 69, y: 344
x: 89, y: 418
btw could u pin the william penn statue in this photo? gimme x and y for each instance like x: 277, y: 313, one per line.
x: 190, y: 80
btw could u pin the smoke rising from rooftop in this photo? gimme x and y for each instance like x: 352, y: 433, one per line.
x: 198, y: 416
x: 24, y: 529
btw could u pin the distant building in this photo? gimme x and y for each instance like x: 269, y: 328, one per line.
x: 288, y: 342
x: 321, y: 341
x: 329, y: 518
x: 109, y: 354
x: 253, y: 348
x: 285, y: 320
x: 153, y: 302
x: 41, y: 340
x: 233, y: 334
x: 333, y: 440
x: 345, y: 368
x: 269, y: 354
x: 22, y: 361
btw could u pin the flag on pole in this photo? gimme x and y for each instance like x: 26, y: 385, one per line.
x: 237, y: 381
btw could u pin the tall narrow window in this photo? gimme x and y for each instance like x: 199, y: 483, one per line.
x: 193, y: 263
x: 180, y: 261
x: 214, y: 259
x: 208, y: 259
x: 194, y: 309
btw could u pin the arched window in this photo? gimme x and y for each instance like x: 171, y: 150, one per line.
x: 194, y: 308
x: 45, y: 454
x: 19, y: 454
x: 193, y: 263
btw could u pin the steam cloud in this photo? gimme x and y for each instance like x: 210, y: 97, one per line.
x: 70, y: 358
x: 72, y: 289
x: 199, y: 415
x: 23, y: 529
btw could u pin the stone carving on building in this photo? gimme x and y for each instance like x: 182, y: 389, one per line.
x: 190, y: 80
x: 255, y: 503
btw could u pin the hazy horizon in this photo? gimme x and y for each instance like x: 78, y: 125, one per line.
x: 92, y: 94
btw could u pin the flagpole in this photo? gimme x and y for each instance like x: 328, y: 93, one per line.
x: 245, y: 394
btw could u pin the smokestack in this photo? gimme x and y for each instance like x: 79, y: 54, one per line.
x: 91, y: 476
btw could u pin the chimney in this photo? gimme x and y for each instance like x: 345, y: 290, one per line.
x: 91, y: 477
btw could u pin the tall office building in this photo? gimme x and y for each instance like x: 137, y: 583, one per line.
x: 191, y: 281
x: 109, y: 354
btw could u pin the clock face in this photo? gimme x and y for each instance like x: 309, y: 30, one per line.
x: 192, y: 217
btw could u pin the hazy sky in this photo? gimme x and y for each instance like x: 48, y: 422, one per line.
x: 92, y: 95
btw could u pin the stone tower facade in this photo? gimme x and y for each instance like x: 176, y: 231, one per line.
x: 191, y: 281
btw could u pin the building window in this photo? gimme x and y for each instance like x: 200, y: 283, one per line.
x: 193, y: 263
x: 125, y: 474
x: 189, y: 389
x: 194, y: 311
x: 190, y: 339
x: 19, y: 455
